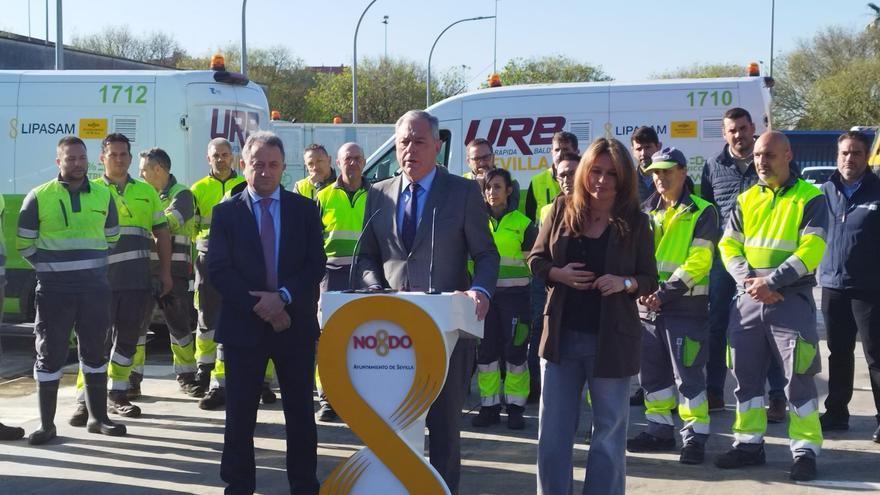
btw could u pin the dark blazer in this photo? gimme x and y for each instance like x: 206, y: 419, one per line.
x: 620, y: 331
x: 235, y: 266
x: 461, y: 231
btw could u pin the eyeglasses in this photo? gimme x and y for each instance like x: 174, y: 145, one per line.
x: 481, y: 158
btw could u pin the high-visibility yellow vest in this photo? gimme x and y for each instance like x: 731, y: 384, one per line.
x: 678, y: 253
x: 140, y: 210
x: 771, y: 230
x: 207, y: 192
x: 508, y: 233
x: 544, y: 188
x: 304, y: 187
x: 67, y: 239
x: 343, y: 218
x: 181, y: 228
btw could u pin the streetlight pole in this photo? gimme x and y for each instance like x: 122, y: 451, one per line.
x: 59, y: 38
x: 431, y: 53
x: 385, y: 21
x: 243, y: 38
x: 772, y: 26
x: 354, y: 67
x: 495, y: 45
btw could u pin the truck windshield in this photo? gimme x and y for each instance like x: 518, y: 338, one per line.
x: 387, y: 165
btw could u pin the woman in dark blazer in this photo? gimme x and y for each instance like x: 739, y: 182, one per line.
x: 596, y: 252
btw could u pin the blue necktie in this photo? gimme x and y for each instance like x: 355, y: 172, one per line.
x: 267, y: 239
x: 410, y: 217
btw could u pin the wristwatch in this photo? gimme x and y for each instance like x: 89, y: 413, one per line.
x: 284, y: 297
x: 627, y: 284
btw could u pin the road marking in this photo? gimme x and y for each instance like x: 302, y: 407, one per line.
x: 852, y: 485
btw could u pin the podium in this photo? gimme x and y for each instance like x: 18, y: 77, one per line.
x: 383, y: 360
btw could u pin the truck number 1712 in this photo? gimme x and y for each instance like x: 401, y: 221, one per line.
x: 129, y: 94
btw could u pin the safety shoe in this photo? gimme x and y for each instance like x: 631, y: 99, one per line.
x: 10, y: 432
x: 803, y: 469
x: 488, y: 415
x: 216, y: 397
x: 187, y: 383
x: 645, y: 442
x: 43, y: 435
x: 832, y: 422
x: 776, y: 410
x: 326, y: 414
x: 81, y: 416
x: 202, y: 381
x: 267, y: 396
x: 876, y: 436
x: 716, y: 401
x: 638, y: 397
x: 117, y: 403
x: 134, y: 385
x: 692, y: 453
x: 737, y: 458
x: 515, y: 420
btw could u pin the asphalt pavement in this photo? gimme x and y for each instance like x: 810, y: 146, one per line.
x: 175, y: 447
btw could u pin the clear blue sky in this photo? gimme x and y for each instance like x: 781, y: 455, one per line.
x: 630, y: 40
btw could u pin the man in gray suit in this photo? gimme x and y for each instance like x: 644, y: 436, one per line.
x: 396, y: 252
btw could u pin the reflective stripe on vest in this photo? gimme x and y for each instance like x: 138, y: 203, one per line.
x: 207, y: 192
x: 343, y: 219
x: 674, y: 243
x: 771, y: 225
x: 508, y: 234
x: 68, y: 240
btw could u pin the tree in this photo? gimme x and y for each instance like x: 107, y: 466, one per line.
x: 549, y: 69
x: 697, y: 71
x: 387, y: 88
x: 846, y: 98
x: 156, y: 47
x: 828, y: 53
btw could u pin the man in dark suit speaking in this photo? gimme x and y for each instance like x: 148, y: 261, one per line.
x: 396, y: 252
x: 266, y: 260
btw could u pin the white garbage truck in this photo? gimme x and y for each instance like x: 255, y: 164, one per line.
x: 179, y: 111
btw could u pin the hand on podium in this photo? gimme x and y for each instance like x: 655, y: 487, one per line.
x: 480, y: 299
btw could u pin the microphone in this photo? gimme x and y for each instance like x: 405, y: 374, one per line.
x: 431, y: 289
x: 356, y: 251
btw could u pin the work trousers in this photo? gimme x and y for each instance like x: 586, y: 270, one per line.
x: 88, y: 313
x: 849, y: 313
x: 207, y: 301
x: 784, y: 332
x: 722, y: 290
x: 130, y: 311
x: 505, y: 338
x: 672, y: 374
x: 177, y: 313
